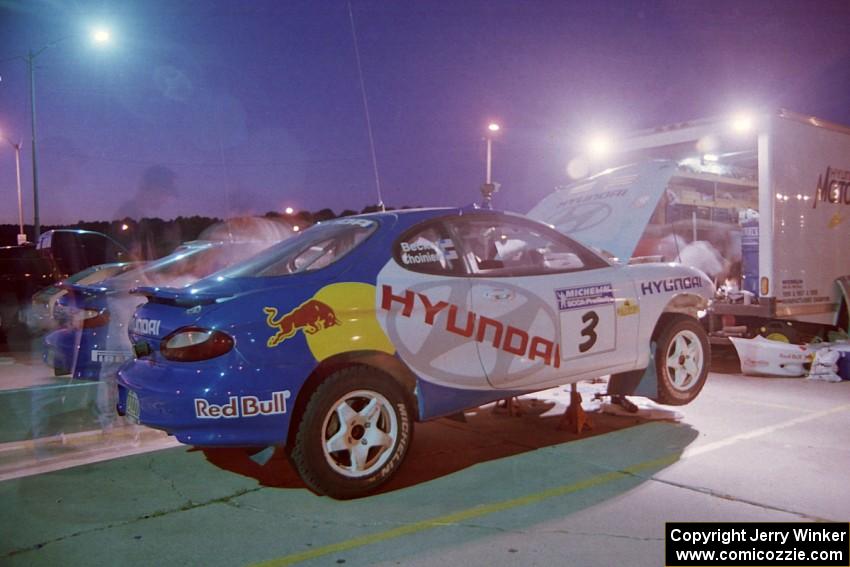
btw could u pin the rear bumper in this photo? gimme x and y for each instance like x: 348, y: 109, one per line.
x: 209, y: 404
x: 82, y: 352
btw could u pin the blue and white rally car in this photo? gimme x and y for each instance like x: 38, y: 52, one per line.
x: 94, y: 340
x: 334, y: 342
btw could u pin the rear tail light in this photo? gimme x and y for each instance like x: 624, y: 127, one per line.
x: 89, y: 318
x: 191, y: 344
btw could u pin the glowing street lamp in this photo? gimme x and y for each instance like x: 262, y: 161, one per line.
x: 22, y: 237
x: 289, y: 210
x: 99, y: 36
x: 742, y: 123
x: 599, y: 146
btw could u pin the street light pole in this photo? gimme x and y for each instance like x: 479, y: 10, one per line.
x: 22, y: 237
x: 487, y: 176
x: 36, y: 219
x: 100, y: 36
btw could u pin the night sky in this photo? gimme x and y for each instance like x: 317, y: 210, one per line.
x: 222, y: 108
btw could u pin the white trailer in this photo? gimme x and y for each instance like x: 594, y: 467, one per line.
x: 763, y: 207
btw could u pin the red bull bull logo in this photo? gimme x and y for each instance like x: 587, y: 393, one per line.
x: 311, y: 316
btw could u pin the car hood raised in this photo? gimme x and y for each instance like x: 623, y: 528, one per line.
x: 610, y: 210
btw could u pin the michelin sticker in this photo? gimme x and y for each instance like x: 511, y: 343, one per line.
x: 584, y: 296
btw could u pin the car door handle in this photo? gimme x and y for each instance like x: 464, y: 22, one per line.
x: 498, y: 294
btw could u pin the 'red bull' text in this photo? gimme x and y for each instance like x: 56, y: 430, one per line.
x: 242, y: 406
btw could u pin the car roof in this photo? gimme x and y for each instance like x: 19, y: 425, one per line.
x: 427, y: 212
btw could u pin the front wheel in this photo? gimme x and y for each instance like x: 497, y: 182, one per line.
x: 681, y: 360
x: 354, y: 433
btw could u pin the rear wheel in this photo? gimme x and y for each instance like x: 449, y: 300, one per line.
x: 354, y: 433
x: 681, y: 360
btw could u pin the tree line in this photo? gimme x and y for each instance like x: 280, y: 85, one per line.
x: 150, y: 238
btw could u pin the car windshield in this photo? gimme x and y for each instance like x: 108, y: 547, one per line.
x: 315, y: 248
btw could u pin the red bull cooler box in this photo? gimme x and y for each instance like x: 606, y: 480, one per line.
x: 763, y: 357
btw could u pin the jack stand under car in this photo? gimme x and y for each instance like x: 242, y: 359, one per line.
x: 575, y: 418
x: 509, y: 406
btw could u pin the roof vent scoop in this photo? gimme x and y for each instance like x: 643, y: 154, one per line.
x: 487, y: 190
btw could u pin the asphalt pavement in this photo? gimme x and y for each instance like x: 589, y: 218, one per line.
x: 494, y: 490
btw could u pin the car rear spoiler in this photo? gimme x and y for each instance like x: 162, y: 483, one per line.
x: 179, y: 296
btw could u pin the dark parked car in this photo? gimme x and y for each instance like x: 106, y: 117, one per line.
x: 26, y: 269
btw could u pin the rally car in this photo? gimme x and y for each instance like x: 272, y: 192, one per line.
x: 45, y: 313
x: 334, y: 342
x: 93, y: 340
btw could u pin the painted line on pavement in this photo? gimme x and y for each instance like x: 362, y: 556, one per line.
x: 474, y: 512
x: 762, y: 431
x: 760, y: 403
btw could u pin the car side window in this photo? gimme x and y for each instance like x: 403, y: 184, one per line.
x: 429, y: 250
x: 318, y: 254
x: 500, y: 246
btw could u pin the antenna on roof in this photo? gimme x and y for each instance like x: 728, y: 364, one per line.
x: 489, y: 186
x: 366, y: 109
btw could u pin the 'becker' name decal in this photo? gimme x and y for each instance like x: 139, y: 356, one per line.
x: 670, y: 285
x: 242, y: 406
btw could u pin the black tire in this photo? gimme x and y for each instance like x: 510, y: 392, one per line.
x: 778, y: 331
x: 682, y: 356
x: 327, y: 445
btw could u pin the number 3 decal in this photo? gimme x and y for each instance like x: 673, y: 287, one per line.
x: 592, y: 319
x: 588, y: 332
